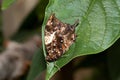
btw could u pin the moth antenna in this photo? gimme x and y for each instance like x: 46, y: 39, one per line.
x: 72, y: 27
x: 76, y: 23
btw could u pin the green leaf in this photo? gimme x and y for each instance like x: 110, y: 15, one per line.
x: 38, y: 65
x: 98, y: 29
x: 7, y: 3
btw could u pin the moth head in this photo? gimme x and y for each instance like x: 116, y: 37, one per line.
x: 50, y: 20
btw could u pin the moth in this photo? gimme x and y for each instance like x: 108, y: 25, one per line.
x: 59, y: 37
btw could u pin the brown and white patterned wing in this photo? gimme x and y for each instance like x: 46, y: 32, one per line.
x: 59, y: 37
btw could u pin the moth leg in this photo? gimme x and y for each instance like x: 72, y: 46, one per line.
x: 47, y: 63
x: 65, y: 55
x: 56, y: 66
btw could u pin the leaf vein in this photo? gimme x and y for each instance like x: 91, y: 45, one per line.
x: 105, y: 29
